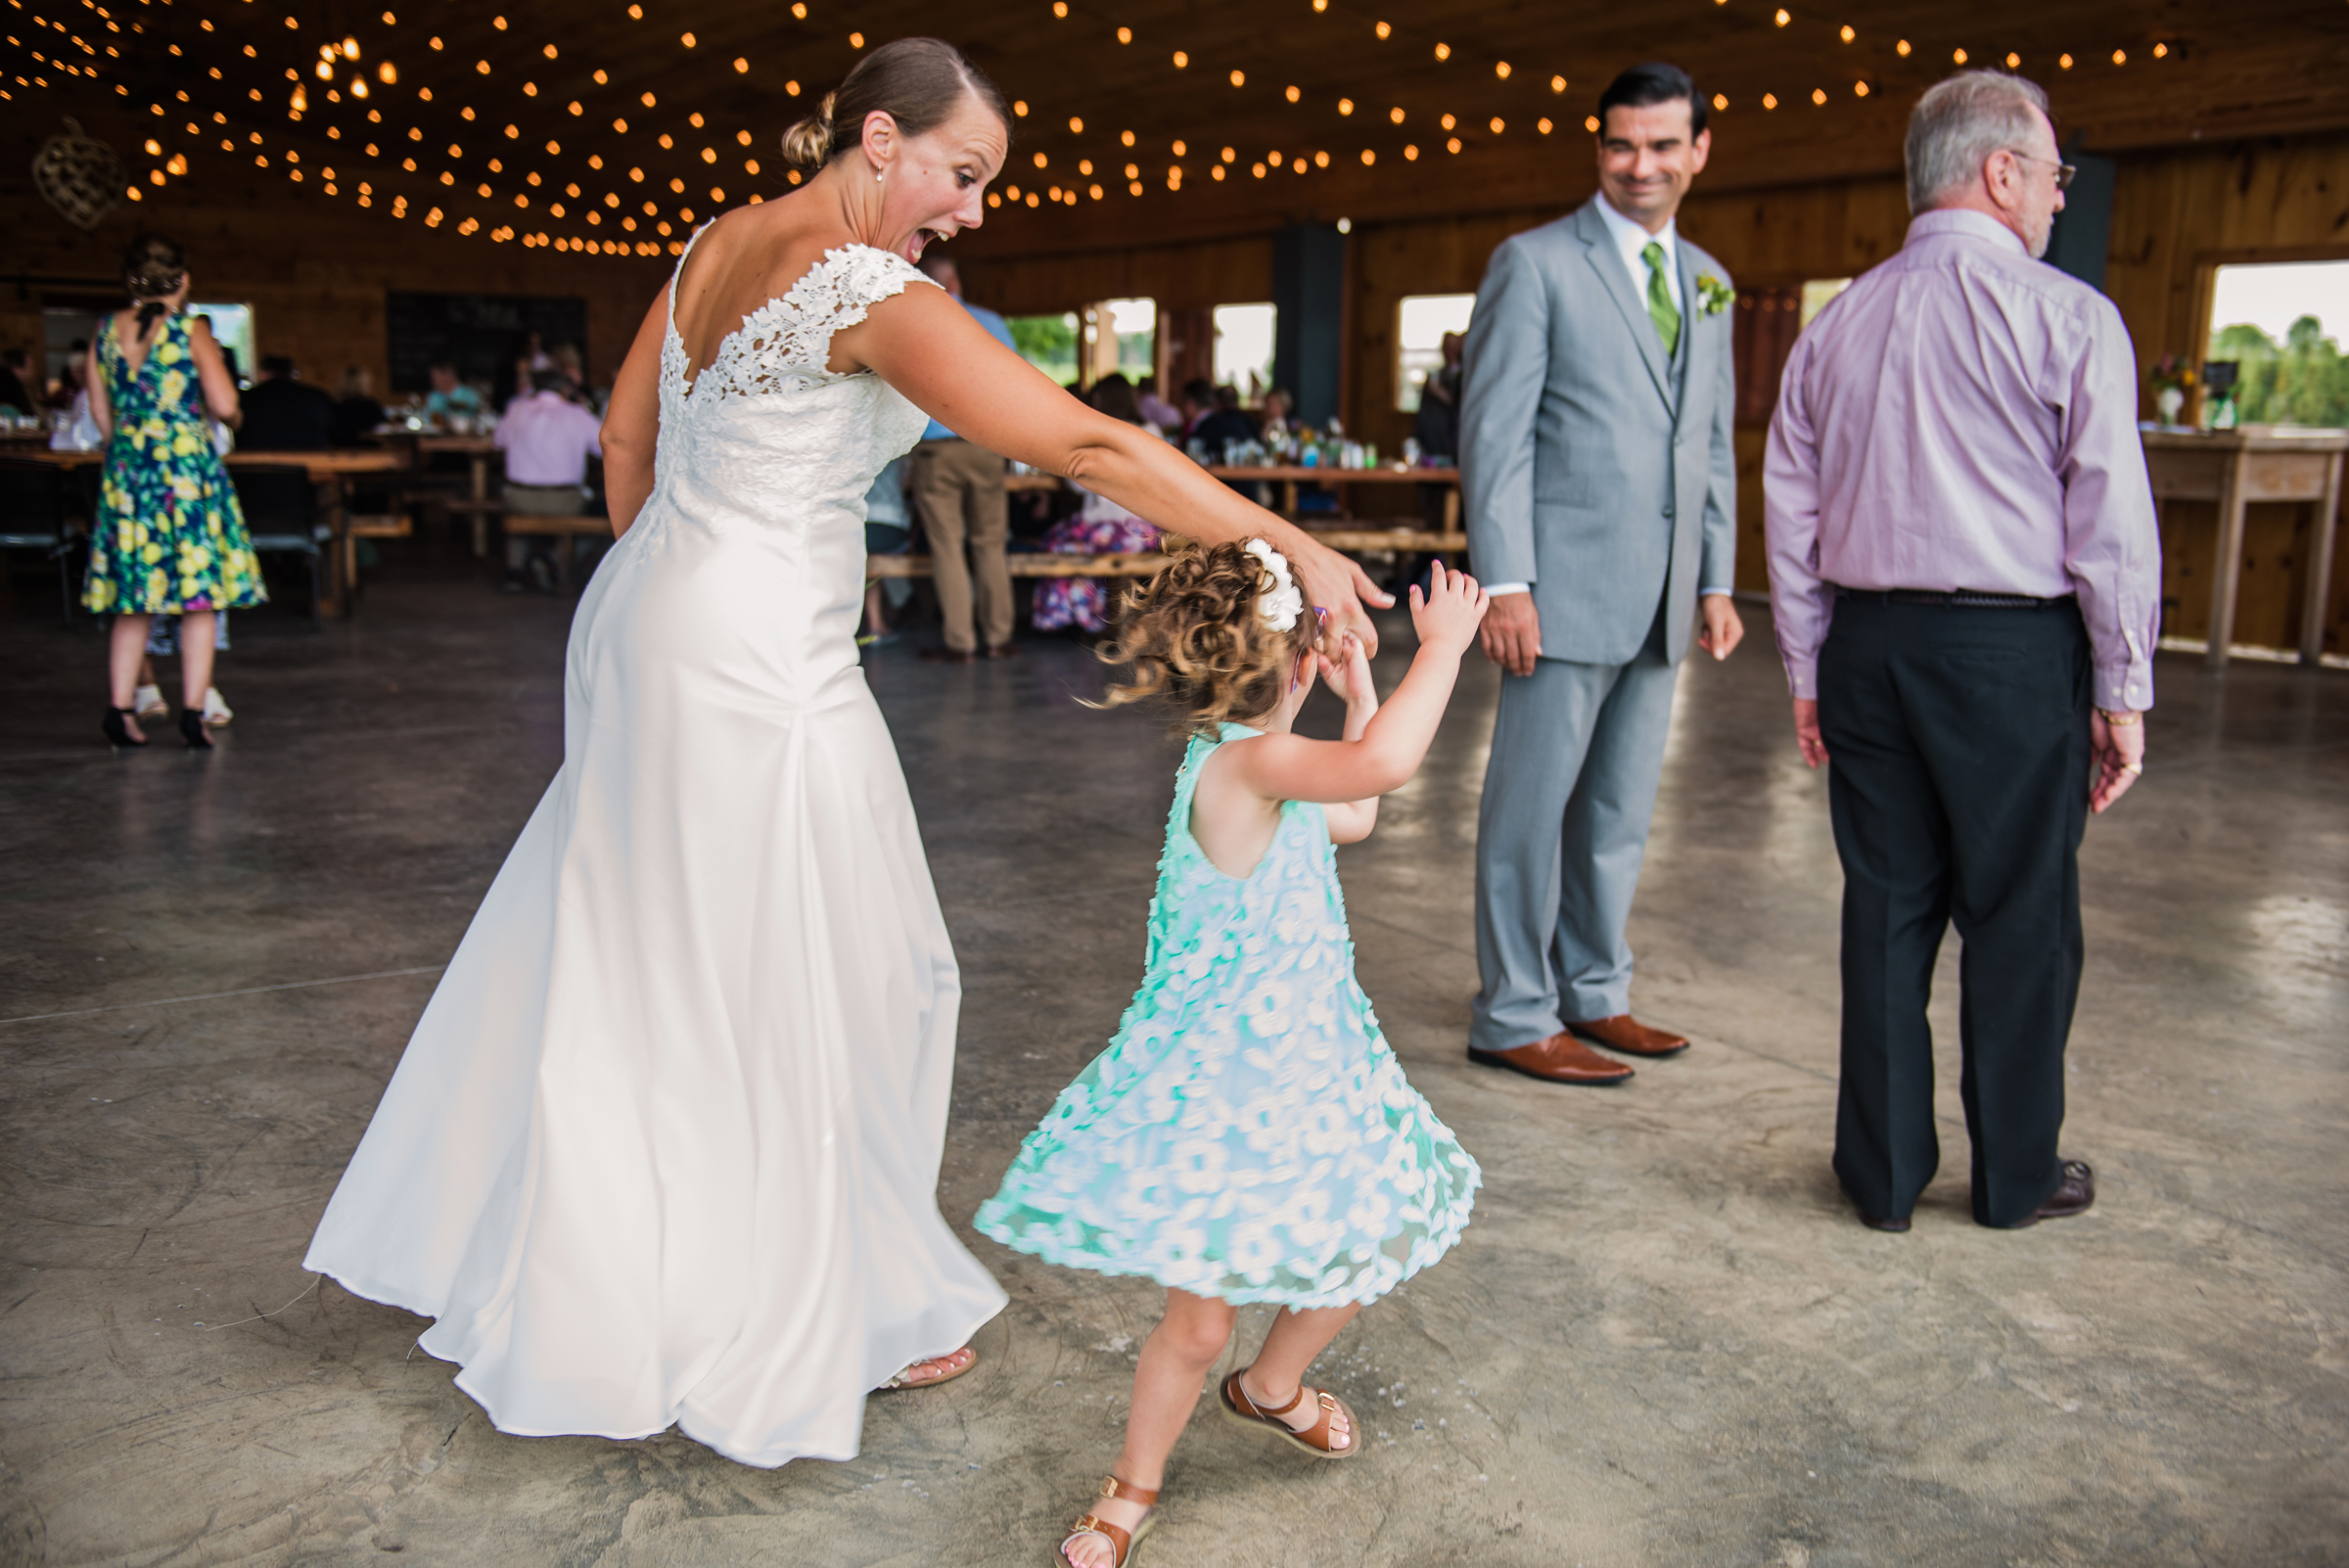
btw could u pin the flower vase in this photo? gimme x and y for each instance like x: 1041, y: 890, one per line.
x: 2169, y: 401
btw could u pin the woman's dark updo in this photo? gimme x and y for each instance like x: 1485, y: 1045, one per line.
x: 153, y: 270
x: 919, y: 82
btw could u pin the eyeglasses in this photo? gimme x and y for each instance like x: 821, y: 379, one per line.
x: 2063, y: 171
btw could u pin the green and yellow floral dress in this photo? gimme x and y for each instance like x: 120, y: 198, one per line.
x: 169, y: 537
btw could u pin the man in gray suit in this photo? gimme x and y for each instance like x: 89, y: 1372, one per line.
x: 1601, y: 498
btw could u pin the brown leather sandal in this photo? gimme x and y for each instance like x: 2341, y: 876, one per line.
x: 900, y: 1380
x: 1122, y: 1542
x: 1315, y: 1439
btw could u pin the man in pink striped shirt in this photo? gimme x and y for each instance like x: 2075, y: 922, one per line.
x: 1965, y: 578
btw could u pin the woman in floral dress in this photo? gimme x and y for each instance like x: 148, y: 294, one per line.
x: 168, y: 538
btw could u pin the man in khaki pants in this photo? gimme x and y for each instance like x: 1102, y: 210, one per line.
x: 958, y: 491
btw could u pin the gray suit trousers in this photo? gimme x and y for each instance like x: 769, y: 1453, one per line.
x: 1576, y: 753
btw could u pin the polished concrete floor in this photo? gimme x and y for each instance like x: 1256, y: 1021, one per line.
x: 1664, y: 1339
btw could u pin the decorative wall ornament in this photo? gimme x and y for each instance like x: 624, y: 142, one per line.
x: 80, y: 176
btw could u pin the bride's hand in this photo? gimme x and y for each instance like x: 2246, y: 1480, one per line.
x: 1336, y: 583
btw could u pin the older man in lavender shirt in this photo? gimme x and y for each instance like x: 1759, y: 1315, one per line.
x: 1965, y: 578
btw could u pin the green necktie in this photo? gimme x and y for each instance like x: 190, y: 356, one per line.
x: 1660, y: 308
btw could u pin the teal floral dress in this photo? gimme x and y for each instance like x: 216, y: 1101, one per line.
x: 1248, y: 1135
x: 169, y: 537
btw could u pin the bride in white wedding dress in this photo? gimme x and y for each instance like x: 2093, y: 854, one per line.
x: 664, y: 1148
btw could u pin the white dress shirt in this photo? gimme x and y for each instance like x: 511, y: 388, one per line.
x: 1630, y: 237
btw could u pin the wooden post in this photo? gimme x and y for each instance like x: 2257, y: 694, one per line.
x: 2317, y: 598
x: 2225, y: 581
x: 481, y: 492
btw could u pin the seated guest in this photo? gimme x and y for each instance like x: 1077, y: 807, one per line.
x: 1156, y: 410
x: 282, y: 415
x: 1198, y: 401
x: 1226, y: 424
x: 450, y: 396
x: 547, y: 438
x: 568, y: 365
x: 357, y: 415
x: 69, y: 387
x: 534, y: 368
x: 1277, y: 420
x: 14, y: 396
x: 1436, y: 425
x: 1101, y: 527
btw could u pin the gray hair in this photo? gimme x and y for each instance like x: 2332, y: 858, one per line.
x: 1960, y: 123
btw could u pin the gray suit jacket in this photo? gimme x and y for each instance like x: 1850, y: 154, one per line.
x: 1591, y: 467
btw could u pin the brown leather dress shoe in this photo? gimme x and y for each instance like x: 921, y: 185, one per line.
x: 1559, y: 1059
x: 2075, y: 1194
x: 943, y: 655
x: 1004, y: 650
x: 1626, y: 1034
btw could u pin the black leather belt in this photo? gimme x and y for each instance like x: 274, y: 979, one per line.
x: 1966, y: 597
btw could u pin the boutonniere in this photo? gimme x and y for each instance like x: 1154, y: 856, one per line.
x: 1713, y: 296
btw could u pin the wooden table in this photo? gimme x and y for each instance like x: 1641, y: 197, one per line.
x: 327, y: 470
x: 2235, y: 468
x: 481, y: 449
x: 1289, y: 477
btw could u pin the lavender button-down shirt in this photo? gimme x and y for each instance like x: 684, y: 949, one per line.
x: 1964, y: 417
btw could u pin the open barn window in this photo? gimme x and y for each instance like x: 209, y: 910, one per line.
x: 1421, y: 321
x: 1244, y: 348
x: 2278, y: 324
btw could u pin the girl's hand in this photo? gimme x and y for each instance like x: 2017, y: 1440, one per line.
x: 1349, y: 675
x: 1447, y: 615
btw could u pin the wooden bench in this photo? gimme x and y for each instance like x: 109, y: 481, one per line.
x: 527, y: 526
x: 357, y: 525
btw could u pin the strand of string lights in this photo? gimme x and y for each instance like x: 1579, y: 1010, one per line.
x: 351, y: 72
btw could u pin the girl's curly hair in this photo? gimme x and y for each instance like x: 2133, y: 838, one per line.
x: 1198, y: 644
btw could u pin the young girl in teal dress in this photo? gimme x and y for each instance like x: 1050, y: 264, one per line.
x: 1248, y: 1135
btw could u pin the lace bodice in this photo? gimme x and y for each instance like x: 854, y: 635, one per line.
x: 764, y: 432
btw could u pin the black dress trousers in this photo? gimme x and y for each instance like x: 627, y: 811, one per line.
x: 1957, y: 738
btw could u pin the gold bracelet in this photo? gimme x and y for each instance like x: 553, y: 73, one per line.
x: 2125, y: 716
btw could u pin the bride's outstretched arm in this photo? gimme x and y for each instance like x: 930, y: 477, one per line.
x: 632, y: 420
x: 927, y: 346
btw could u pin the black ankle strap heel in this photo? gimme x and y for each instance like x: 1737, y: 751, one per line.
x: 116, y: 727
x: 191, y: 730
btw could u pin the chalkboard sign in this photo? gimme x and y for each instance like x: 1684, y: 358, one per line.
x: 482, y: 333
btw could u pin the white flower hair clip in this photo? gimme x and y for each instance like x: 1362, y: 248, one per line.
x: 1282, y: 604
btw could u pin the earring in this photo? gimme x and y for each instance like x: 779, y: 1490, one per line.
x: 878, y: 178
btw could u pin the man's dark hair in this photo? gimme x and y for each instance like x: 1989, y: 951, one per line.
x: 1656, y: 82
x: 1200, y: 391
x: 278, y: 366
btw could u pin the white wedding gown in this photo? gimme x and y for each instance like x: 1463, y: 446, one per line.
x: 664, y: 1148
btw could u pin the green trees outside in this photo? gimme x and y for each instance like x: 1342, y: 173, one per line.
x: 2302, y: 381
x: 1048, y: 343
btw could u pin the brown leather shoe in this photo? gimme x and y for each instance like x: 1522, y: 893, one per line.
x: 1559, y: 1059
x: 1004, y: 650
x: 2075, y: 1194
x: 1626, y: 1034
x: 1898, y: 1228
x: 943, y: 655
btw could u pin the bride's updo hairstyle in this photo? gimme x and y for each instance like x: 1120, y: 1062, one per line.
x: 919, y: 82
x: 1200, y: 645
